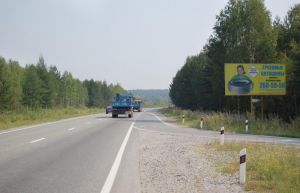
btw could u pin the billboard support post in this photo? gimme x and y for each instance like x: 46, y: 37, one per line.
x: 238, y: 103
x: 251, y: 106
x: 262, y: 107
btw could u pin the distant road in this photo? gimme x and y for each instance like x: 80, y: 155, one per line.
x: 88, y: 154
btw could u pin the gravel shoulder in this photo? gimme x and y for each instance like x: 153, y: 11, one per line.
x: 175, y: 163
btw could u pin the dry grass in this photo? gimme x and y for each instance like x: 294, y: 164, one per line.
x: 234, y: 122
x: 270, y: 168
x: 29, y: 117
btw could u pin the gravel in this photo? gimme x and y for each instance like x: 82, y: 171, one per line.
x: 172, y: 163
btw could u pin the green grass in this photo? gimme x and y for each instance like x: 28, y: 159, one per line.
x: 28, y: 117
x: 234, y: 122
x: 270, y: 168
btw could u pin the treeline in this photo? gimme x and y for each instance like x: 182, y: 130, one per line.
x: 39, y: 86
x: 243, y: 33
x: 152, y: 97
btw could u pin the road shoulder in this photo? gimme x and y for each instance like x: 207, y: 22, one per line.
x: 172, y: 163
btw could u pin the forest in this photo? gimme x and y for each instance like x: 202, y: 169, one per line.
x: 152, y: 97
x: 37, y: 86
x: 243, y: 33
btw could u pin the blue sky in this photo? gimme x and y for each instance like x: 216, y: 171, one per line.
x: 137, y: 43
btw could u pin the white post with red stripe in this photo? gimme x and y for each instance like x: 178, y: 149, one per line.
x: 201, y: 123
x: 243, y: 166
x: 222, y: 132
x: 182, y: 119
x: 246, y: 125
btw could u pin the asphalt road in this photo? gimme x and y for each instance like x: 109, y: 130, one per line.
x: 88, y: 154
x: 73, y: 156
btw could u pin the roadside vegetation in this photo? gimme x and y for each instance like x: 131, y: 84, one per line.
x: 243, y: 33
x: 37, y: 93
x: 39, y: 86
x: 12, y: 119
x: 234, y: 122
x: 270, y: 167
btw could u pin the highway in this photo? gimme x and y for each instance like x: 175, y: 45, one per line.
x: 91, y: 154
x: 75, y: 155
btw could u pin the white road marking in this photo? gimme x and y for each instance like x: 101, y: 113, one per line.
x: 176, y: 133
x: 287, y: 140
x: 88, y: 123
x: 114, y: 169
x: 157, y: 117
x: 36, y: 140
x: 217, y: 136
x: 71, y: 129
x: 45, y: 124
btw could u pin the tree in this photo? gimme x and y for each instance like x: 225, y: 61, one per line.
x: 38, y: 86
x: 114, y: 89
x: 54, y: 79
x: 10, y: 85
x: 16, y: 85
x: 48, y: 88
x: 32, y: 87
x: 292, y: 51
x: 191, y: 87
x: 242, y: 34
x: 5, y: 85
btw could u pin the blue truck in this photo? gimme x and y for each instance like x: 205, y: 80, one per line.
x: 137, y: 104
x: 122, y: 105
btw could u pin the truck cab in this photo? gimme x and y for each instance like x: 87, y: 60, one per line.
x: 137, y: 104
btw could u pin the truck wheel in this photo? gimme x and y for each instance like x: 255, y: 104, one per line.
x: 115, y: 116
x: 129, y: 115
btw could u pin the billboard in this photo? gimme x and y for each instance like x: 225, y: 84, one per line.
x: 255, y: 79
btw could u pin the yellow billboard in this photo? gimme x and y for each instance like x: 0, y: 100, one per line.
x: 255, y: 79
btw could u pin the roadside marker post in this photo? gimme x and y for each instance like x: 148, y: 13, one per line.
x: 222, y: 132
x: 246, y: 125
x: 243, y: 166
x: 201, y: 123
x: 182, y: 119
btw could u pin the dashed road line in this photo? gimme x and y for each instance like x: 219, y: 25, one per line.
x: 71, y: 129
x: 37, y: 140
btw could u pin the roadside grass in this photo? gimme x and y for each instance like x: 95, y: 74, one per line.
x: 234, y: 122
x: 12, y: 119
x: 270, y: 167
